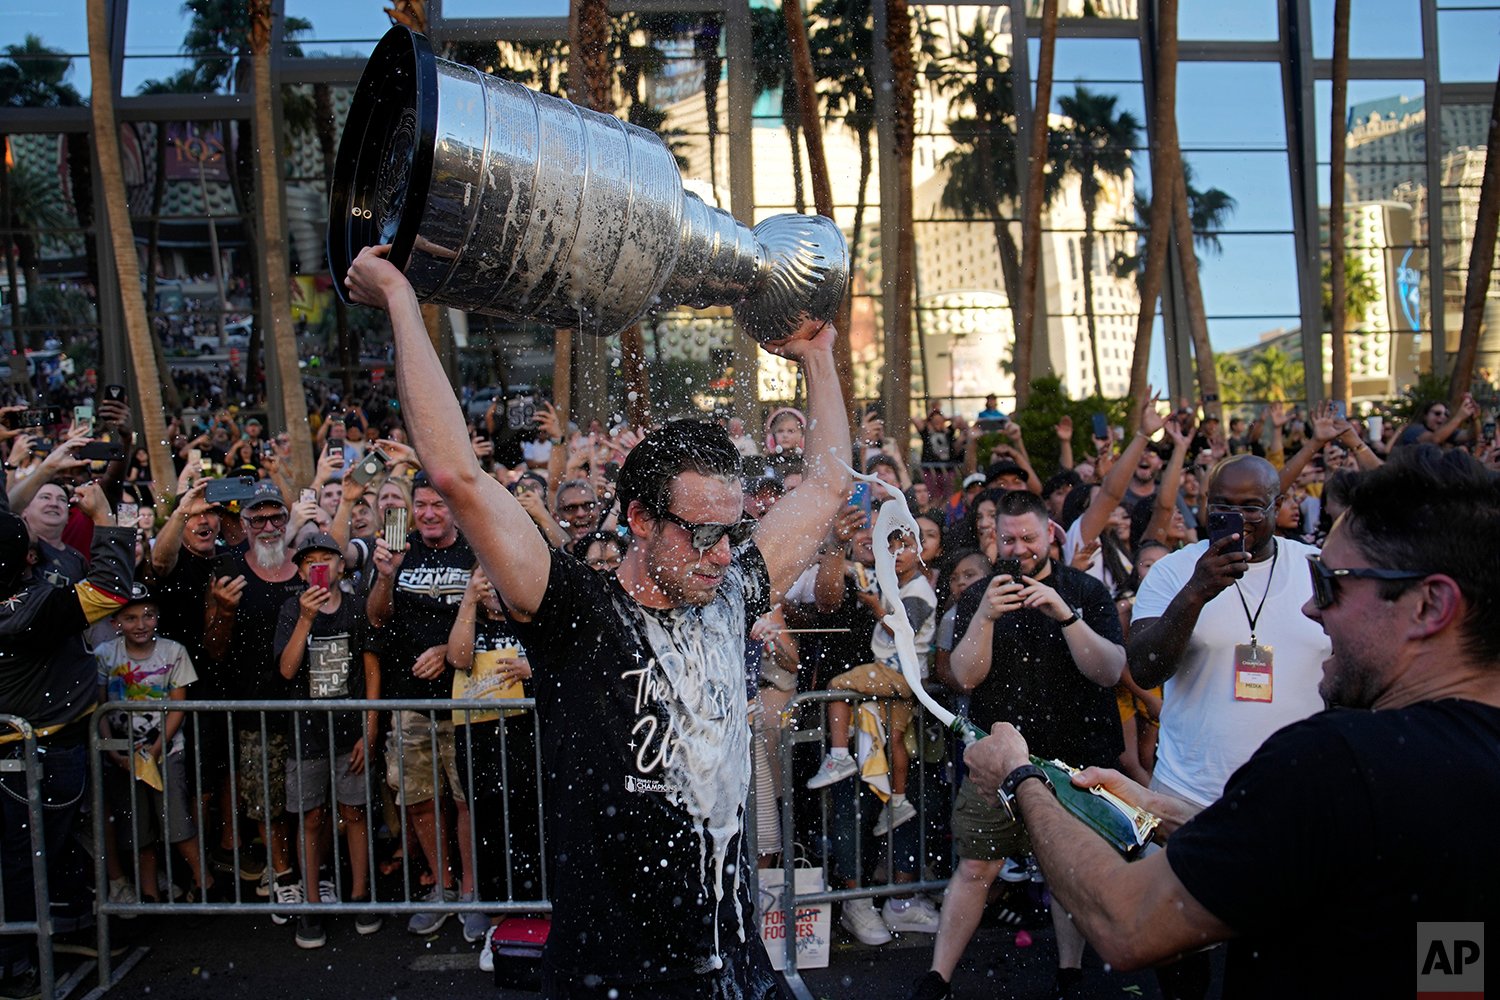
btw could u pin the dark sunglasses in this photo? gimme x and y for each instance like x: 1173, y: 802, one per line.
x: 1325, y: 581
x: 706, y: 536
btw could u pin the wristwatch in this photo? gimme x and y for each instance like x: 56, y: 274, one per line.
x: 1013, y: 781
x: 1074, y: 617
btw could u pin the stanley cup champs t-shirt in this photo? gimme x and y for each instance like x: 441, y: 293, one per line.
x: 646, y: 757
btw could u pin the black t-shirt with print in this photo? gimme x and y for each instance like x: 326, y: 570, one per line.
x: 1374, y: 822
x: 1034, y: 683
x: 645, y: 752
x: 250, y: 670
x: 429, y: 587
x: 333, y: 666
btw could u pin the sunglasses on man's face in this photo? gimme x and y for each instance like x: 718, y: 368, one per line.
x: 706, y: 536
x: 1325, y: 581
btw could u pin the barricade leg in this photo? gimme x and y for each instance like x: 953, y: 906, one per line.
x: 27, y: 833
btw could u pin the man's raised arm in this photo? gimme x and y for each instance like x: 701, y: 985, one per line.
x: 514, y: 556
x: 790, y: 533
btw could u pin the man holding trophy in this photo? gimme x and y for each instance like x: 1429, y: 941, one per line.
x: 640, y: 676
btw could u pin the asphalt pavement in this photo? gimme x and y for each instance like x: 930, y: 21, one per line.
x: 247, y: 956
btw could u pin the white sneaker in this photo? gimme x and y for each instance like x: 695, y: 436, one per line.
x: 834, y: 769
x: 487, y: 953
x: 328, y: 892
x: 915, y: 914
x: 861, y: 919
x: 121, y: 891
x: 893, y: 815
x: 286, y: 896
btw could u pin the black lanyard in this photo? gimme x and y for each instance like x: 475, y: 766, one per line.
x: 1275, y: 551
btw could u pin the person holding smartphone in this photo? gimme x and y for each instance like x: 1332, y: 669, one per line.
x: 1218, y: 623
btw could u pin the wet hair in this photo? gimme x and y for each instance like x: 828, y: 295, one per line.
x: 1433, y: 512
x: 676, y: 447
x: 950, y: 563
x: 580, y: 548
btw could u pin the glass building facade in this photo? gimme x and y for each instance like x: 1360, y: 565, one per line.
x: 1254, y: 119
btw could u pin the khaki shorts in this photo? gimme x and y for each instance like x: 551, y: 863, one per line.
x: 983, y: 830
x: 880, y: 681
x: 251, y: 780
x: 408, y: 759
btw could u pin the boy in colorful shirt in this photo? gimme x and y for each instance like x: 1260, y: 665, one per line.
x: 138, y: 666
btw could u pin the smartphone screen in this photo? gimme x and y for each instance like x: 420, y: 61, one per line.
x: 395, y: 529
x: 1222, y: 524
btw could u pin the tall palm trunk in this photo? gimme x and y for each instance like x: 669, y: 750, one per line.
x: 817, y: 166
x: 1481, y: 263
x: 898, y: 38
x: 328, y: 150
x: 1203, y: 352
x: 278, y: 290
x: 1339, y: 150
x: 1090, y: 206
x: 1166, y: 163
x: 106, y: 143
x: 1031, y: 219
x: 170, y: 396
x: 12, y: 274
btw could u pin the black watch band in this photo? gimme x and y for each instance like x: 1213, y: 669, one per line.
x: 1074, y: 617
x: 1013, y: 781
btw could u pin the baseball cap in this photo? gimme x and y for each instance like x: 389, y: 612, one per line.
x: 320, y: 542
x: 998, y: 469
x: 265, y: 492
x: 973, y: 479
x: 138, y: 595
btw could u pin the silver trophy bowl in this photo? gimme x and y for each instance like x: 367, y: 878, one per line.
x: 500, y: 200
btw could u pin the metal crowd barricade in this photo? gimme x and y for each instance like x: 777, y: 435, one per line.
x: 918, y: 781
x: 41, y: 925
x: 264, y: 717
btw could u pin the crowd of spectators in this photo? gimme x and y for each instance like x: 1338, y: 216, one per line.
x: 125, y: 583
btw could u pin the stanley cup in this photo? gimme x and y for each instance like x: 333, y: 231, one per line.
x: 500, y: 200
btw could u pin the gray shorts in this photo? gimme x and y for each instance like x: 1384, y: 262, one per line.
x: 170, y: 810
x: 307, y: 783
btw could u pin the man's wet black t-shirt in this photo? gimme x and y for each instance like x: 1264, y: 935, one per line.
x: 645, y: 750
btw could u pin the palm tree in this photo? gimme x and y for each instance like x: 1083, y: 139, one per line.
x: 1339, y: 151
x: 32, y: 75
x: 773, y: 71
x: 706, y: 36
x: 1166, y: 164
x: 1481, y: 262
x: 899, y: 43
x: 981, y: 180
x: 106, y: 142
x: 1361, y: 293
x: 1274, y: 377
x: 805, y: 83
x: 268, y: 165
x: 843, y: 53
x: 1095, y: 145
x: 1207, y: 213
x: 1031, y: 217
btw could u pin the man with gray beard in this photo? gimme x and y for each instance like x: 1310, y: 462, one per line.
x: 245, y: 601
